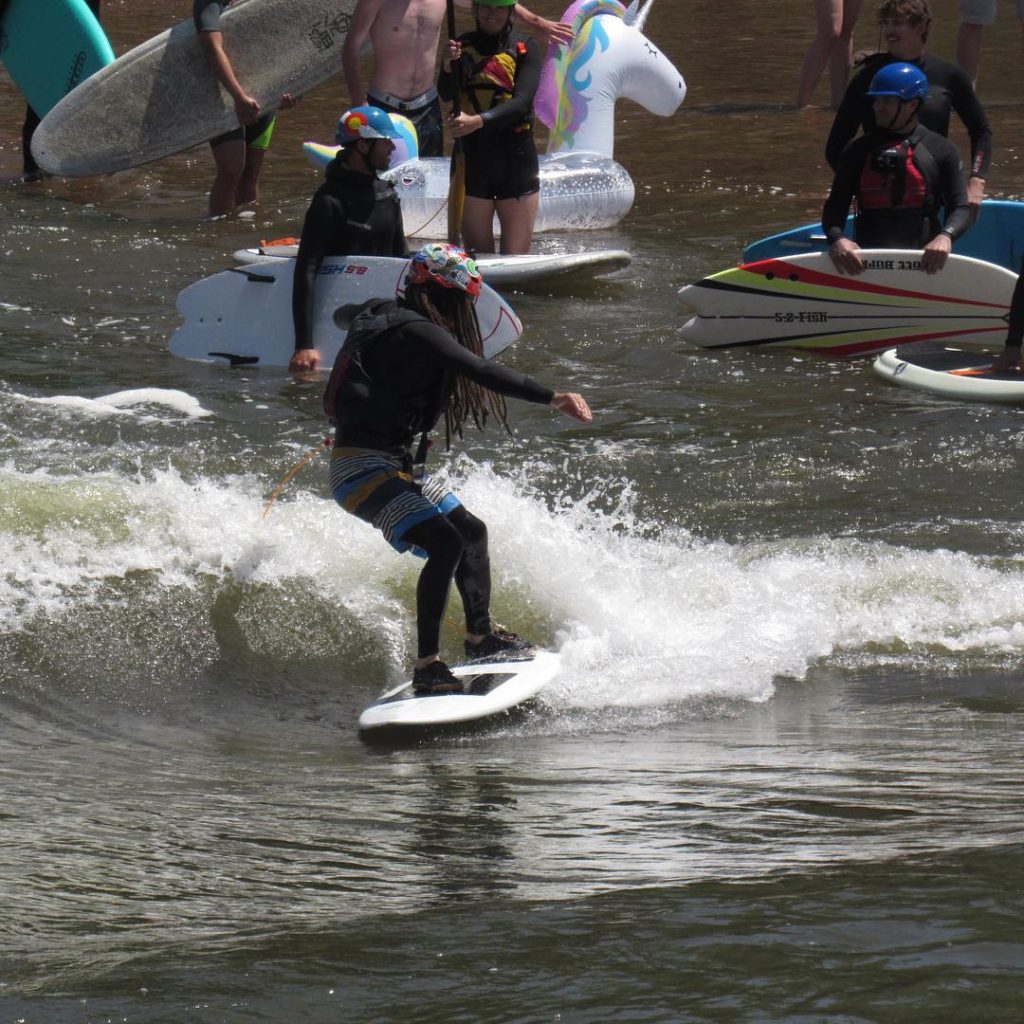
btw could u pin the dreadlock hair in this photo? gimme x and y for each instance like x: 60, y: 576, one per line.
x: 453, y: 311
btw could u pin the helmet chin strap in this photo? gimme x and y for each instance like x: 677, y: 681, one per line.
x: 900, y: 128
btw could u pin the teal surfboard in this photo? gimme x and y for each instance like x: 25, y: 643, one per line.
x: 996, y: 237
x: 49, y: 46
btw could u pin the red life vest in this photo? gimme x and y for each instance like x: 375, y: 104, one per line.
x: 893, y: 176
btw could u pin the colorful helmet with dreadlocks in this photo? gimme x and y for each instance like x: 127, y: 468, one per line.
x: 445, y: 265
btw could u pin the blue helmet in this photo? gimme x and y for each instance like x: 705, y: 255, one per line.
x: 365, y: 123
x: 900, y: 79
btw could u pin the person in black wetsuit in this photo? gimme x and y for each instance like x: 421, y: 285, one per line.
x: 1011, y: 357
x: 403, y: 366
x: 902, y: 175
x: 499, y: 72
x: 30, y: 169
x: 353, y: 213
x: 905, y: 25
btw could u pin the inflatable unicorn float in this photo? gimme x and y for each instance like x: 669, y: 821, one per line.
x: 581, y: 185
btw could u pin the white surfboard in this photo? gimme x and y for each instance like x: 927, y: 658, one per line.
x: 499, y: 271
x: 951, y: 373
x: 490, y: 688
x: 804, y: 302
x: 161, y: 97
x: 243, y: 316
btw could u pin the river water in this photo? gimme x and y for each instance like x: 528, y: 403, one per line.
x: 780, y: 776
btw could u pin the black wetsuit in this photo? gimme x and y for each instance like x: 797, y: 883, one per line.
x: 1015, y: 331
x: 949, y: 89
x: 412, y: 368
x: 404, y: 380
x: 32, y: 119
x: 352, y: 214
x: 912, y: 178
x: 501, y: 157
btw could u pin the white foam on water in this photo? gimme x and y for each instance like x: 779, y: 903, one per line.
x: 653, y: 615
x: 644, y: 614
x: 122, y: 403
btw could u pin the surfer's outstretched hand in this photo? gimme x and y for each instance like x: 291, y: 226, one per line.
x: 933, y: 259
x: 846, y: 256
x: 572, y: 405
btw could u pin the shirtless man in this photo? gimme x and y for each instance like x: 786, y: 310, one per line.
x: 404, y: 35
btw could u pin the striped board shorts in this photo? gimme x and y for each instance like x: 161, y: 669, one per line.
x: 378, y: 488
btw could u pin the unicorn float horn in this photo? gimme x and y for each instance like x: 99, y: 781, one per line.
x: 636, y: 17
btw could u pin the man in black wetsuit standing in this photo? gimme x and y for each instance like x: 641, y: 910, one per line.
x: 353, y: 213
x: 402, y: 368
x: 904, y: 25
x: 902, y: 176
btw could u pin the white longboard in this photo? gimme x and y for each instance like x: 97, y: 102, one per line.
x: 244, y: 316
x: 161, y: 97
x: 490, y: 688
x: 499, y: 271
x: 951, y: 373
x: 804, y: 302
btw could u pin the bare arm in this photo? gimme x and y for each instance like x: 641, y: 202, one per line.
x: 363, y: 18
x: 547, y: 31
x: 247, y: 108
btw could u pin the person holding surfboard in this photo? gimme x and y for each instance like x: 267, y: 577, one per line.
x: 404, y: 36
x: 353, y: 213
x: 405, y: 365
x: 237, y: 154
x: 494, y: 73
x: 904, y: 25
x: 902, y: 176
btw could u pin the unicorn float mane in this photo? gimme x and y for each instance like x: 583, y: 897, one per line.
x: 604, y: 61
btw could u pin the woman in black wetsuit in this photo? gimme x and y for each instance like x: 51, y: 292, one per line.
x: 499, y: 75
x: 904, y: 25
x: 404, y: 367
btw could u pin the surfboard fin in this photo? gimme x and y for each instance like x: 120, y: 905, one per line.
x: 235, y: 360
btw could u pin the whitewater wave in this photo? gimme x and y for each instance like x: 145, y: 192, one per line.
x: 645, y: 614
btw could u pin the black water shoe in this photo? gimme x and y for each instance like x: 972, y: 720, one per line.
x: 434, y: 680
x: 501, y: 645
